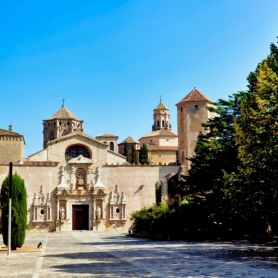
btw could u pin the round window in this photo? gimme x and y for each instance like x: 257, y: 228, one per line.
x: 117, y: 210
x: 42, y: 211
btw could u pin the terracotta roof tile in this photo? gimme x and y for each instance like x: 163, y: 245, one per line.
x: 107, y: 135
x: 161, y: 132
x: 194, y: 95
x: 130, y: 140
x: 161, y: 148
x: 63, y: 113
x: 8, y: 132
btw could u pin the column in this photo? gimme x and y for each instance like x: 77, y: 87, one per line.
x: 94, y: 209
x: 58, y: 208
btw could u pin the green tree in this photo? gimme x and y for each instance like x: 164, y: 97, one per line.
x: 19, y: 211
x: 134, y: 159
x: 216, y: 157
x: 256, y: 135
x: 143, y: 155
x: 126, y: 151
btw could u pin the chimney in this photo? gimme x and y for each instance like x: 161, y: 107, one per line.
x: 10, y: 128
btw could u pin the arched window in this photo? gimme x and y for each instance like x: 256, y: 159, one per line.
x: 111, y: 146
x: 157, y: 123
x: 196, y: 108
x: 75, y: 151
x: 51, y: 136
x: 163, y: 124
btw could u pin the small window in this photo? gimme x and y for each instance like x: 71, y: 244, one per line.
x: 158, y: 124
x: 68, y: 123
x: 111, y: 146
x: 163, y: 124
x: 181, y: 109
x: 196, y: 108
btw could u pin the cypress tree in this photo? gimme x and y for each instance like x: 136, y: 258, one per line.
x: 133, y: 155
x: 126, y: 150
x: 19, y: 211
x: 143, y: 155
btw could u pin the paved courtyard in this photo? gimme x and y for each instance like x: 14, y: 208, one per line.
x: 113, y: 254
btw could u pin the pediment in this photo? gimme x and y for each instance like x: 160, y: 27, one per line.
x: 77, y: 135
x: 80, y: 160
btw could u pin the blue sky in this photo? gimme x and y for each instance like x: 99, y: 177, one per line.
x: 111, y: 60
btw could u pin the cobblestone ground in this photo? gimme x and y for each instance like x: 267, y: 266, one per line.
x: 113, y: 254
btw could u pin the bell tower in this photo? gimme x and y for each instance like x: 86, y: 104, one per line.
x: 60, y: 124
x: 161, y: 117
x: 191, y: 113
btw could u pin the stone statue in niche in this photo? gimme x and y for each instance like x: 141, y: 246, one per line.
x: 80, y: 180
x: 62, y: 213
x: 98, y: 213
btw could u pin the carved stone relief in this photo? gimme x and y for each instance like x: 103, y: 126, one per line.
x: 117, y: 206
x: 42, y: 209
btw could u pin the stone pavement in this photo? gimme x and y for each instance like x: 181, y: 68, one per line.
x: 113, y: 254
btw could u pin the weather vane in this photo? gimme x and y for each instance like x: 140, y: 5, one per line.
x: 63, y: 101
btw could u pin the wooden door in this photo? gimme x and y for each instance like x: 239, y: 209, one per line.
x: 80, y: 217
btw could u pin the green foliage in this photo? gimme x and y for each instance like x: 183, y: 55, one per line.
x: 134, y: 159
x: 215, y: 157
x: 143, y: 155
x: 155, y: 220
x: 232, y: 182
x: 126, y: 150
x: 256, y: 135
x: 19, y: 211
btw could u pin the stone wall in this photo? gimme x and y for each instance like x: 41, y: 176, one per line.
x: 11, y: 149
x: 136, y: 182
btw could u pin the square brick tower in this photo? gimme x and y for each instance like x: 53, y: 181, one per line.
x: 191, y: 112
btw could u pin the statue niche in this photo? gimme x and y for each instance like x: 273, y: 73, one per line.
x: 80, y: 178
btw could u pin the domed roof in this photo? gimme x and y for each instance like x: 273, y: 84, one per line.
x: 161, y: 106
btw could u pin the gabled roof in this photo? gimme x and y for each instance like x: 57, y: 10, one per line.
x: 130, y: 140
x: 63, y: 113
x: 75, y: 134
x: 161, y: 106
x: 8, y: 132
x: 194, y: 95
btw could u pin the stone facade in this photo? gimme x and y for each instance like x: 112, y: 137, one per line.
x: 76, y: 182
